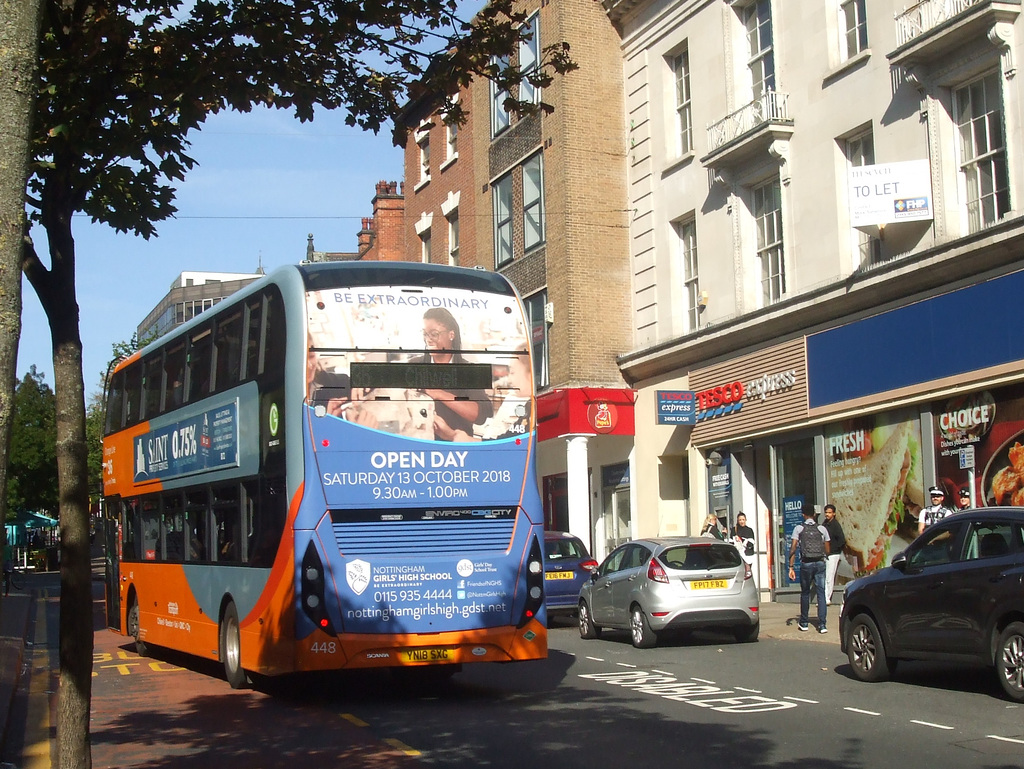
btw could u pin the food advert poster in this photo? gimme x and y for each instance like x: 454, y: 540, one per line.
x: 874, y: 478
x: 992, y: 422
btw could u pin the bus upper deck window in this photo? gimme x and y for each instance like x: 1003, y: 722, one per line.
x: 132, y: 393
x: 115, y: 403
x: 152, y: 386
x: 200, y: 359
x: 229, y: 351
x: 174, y: 369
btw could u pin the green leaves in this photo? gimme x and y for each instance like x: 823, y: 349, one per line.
x: 123, y: 82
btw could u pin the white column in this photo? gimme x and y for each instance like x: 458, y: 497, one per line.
x: 577, y: 470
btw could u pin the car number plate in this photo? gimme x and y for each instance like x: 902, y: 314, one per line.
x: 436, y: 654
x: 709, y: 584
x: 559, y: 575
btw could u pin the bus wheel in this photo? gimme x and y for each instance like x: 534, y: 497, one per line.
x: 231, y: 649
x: 133, y: 629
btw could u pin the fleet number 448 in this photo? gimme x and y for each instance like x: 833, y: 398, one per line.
x: 324, y: 647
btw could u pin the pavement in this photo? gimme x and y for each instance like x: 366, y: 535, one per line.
x: 779, y: 620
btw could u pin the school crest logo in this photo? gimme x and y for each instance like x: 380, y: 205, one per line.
x: 357, y: 574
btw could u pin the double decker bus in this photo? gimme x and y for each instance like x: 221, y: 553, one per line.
x: 332, y: 468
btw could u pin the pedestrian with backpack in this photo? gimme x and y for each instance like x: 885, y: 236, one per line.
x: 812, y: 540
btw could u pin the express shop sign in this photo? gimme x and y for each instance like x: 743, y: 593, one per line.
x: 729, y: 398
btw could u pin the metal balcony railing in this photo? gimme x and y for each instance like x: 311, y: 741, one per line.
x: 919, y: 18
x: 773, y: 106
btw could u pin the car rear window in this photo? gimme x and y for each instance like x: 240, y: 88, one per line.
x: 563, y: 548
x: 701, y: 557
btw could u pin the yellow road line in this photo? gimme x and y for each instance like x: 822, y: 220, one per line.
x: 36, y: 753
x: 353, y: 720
x: 401, y: 746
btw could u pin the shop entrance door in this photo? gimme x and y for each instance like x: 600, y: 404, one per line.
x: 794, y: 484
x: 617, y: 518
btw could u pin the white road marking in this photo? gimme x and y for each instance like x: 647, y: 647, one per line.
x: 801, y: 699
x: 625, y: 665
x: 863, y: 712
x: 661, y: 672
x: 596, y: 659
x: 928, y: 723
x: 1005, y: 739
x: 703, y: 681
x: 744, y: 689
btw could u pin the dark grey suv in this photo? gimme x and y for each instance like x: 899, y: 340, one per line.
x: 956, y: 594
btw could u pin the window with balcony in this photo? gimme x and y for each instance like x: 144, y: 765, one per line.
x: 534, y: 306
x: 757, y: 20
x: 529, y: 60
x: 767, y: 205
x: 502, y: 196
x: 854, y: 27
x: 499, y: 115
x: 533, y: 202
x: 984, y: 186
x: 686, y: 233
x: 860, y: 151
x: 453, y: 238
x: 684, y: 120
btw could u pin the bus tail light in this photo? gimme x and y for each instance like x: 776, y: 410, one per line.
x: 314, y: 602
x: 534, y: 584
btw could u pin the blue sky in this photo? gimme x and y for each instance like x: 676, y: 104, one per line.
x: 263, y: 182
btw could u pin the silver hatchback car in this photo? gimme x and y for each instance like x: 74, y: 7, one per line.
x: 653, y: 586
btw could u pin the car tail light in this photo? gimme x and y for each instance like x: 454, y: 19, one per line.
x: 656, y: 573
x: 747, y: 572
x: 590, y: 564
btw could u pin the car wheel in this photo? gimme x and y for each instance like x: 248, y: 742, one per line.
x: 587, y: 627
x: 133, y: 629
x: 231, y: 649
x: 1010, y: 661
x: 640, y: 629
x: 746, y: 635
x: 865, y: 650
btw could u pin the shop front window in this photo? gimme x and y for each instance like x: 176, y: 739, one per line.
x: 794, y: 479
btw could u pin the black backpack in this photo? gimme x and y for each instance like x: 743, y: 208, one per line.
x: 812, y: 543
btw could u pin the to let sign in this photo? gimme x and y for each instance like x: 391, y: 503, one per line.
x: 890, y: 192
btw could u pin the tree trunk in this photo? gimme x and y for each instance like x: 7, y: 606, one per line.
x: 57, y: 293
x: 19, y: 35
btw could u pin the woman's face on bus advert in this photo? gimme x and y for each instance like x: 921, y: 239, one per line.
x: 437, y: 336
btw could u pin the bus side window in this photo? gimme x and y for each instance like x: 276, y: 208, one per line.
x: 150, y: 511
x: 227, y: 515
x: 152, y: 386
x: 174, y: 370
x: 266, y: 510
x: 115, y: 403
x: 195, y: 518
x: 132, y: 394
x: 200, y: 359
x: 130, y: 538
x: 174, y: 527
x: 228, y: 346
x: 253, y: 338
x: 273, y: 353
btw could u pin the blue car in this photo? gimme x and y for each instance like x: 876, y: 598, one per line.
x: 567, y: 567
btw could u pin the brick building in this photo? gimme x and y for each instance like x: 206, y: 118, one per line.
x: 542, y: 200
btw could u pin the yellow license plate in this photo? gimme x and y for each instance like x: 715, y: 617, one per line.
x: 709, y: 584
x: 437, y: 654
x: 559, y: 575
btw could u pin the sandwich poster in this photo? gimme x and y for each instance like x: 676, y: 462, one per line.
x: 874, y: 478
x: 993, y: 423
